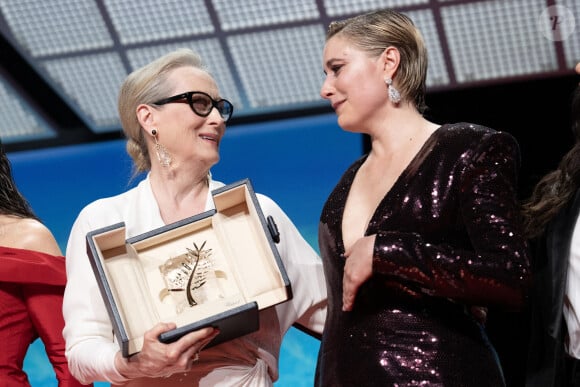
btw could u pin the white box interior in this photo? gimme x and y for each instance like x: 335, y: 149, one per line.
x: 243, y: 267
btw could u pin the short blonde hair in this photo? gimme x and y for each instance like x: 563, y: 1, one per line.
x: 145, y: 86
x: 373, y: 32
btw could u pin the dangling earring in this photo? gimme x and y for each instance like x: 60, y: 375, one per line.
x: 394, y: 94
x: 162, y: 154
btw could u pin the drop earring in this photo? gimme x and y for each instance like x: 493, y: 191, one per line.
x: 162, y: 154
x: 394, y: 94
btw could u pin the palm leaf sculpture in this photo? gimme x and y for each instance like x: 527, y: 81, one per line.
x: 186, y: 273
x: 196, y: 255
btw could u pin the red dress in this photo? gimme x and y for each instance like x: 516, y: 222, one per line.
x: 31, y: 290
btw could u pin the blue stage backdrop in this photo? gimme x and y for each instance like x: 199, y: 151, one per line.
x: 296, y: 162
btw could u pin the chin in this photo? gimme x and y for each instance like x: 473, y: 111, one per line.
x: 346, y: 125
x: 214, y: 160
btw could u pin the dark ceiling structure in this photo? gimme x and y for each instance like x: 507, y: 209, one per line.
x: 63, y: 61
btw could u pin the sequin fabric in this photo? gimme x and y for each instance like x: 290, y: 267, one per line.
x: 448, y: 238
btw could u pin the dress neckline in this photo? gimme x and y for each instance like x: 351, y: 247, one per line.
x: 409, y: 171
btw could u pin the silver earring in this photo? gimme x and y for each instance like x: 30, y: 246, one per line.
x: 394, y: 94
x: 162, y: 154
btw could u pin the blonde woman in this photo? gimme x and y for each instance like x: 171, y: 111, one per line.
x: 418, y: 231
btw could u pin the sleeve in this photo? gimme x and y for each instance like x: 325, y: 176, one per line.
x: 44, y: 303
x: 307, y: 308
x: 495, y: 269
x: 88, y: 332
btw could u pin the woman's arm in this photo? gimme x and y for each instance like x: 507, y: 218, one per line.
x: 304, y: 268
x: 496, y: 270
x: 44, y: 303
x: 88, y: 332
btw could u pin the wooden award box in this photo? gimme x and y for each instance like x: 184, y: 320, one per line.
x: 218, y: 268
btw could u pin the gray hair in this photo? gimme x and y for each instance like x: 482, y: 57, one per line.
x: 145, y: 86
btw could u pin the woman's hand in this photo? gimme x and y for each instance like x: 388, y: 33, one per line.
x: 358, y: 268
x: 157, y: 359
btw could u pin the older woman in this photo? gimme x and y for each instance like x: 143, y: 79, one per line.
x: 174, y: 119
x: 418, y: 231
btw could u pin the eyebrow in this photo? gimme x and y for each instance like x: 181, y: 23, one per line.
x: 331, y: 61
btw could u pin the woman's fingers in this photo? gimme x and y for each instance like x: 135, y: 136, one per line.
x: 357, y: 269
x: 157, y: 359
x: 191, y: 346
x: 200, y: 337
x: 158, y: 329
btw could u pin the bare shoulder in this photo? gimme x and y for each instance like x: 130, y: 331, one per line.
x: 30, y: 234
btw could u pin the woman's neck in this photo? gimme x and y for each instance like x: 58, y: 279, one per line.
x: 403, y: 130
x: 180, y: 195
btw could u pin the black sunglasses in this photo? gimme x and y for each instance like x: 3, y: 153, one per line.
x: 201, y: 104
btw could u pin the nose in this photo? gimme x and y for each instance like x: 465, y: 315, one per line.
x: 214, y: 114
x: 326, y: 90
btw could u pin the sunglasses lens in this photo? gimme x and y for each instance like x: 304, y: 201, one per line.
x: 201, y: 104
x: 225, y: 109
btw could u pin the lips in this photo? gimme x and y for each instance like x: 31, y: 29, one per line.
x: 336, y: 105
x: 210, y: 137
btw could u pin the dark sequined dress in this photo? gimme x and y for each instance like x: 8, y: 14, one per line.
x: 448, y: 238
